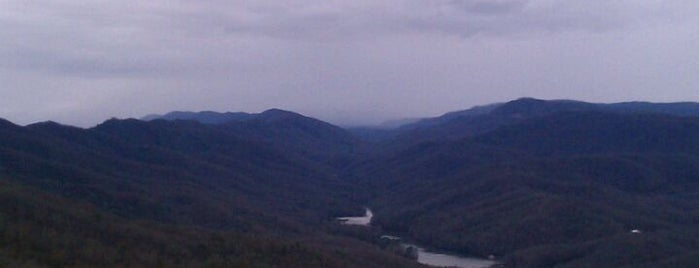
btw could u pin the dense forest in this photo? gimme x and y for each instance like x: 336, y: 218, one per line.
x: 534, y: 183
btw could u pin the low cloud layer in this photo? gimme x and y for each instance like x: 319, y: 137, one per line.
x: 350, y: 62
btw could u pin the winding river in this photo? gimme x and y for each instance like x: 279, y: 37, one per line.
x: 424, y: 256
x: 361, y: 220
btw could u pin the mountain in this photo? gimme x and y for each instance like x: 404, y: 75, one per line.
x: 559, y: 190
x: 308, y: 137
x: 206, y: 117
x: 535, y: 183
x: 160, y: 189
x: 598, y: 133
x: 678, y: 108
x: 414, y: 128
x: 279, y: 128
x: 481, y: 119
x: 41, y: 229
x: 474, y: 111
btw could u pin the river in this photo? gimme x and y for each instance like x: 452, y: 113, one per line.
x: 424, y: 256
x: 361, y: 220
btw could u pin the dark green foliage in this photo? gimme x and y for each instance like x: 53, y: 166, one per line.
x: 563, y: 190
x: 482, y: 119
x: 293, y: 132
x: 150, y: 194
x: 48, y: 231
x: 534, y: 183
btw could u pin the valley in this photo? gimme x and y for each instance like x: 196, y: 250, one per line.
x: 532, y: 183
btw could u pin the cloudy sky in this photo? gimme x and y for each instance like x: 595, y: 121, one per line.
x: 80, y: 62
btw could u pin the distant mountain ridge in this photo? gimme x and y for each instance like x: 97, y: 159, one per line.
x: 528, y: 107
x: 275, y: 126
x: 206, y: 117
x: 536, y: 183
x: 522, y: 107
x: 216, y: 118
x: 481, y: 119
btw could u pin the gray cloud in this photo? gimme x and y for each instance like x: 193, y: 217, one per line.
x: 348, y: 61
x: 490, y: 7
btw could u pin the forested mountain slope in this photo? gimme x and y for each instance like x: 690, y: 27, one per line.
x: 480, y: 119
x: 134, y: 193
x: 535, y: 183
x: 563, y: 190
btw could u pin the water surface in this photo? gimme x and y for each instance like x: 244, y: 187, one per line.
x: 446, y: 260
x: 361, y: 220
x: 423, y: 256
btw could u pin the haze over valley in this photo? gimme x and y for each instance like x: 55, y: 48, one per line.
x: 389, y: 133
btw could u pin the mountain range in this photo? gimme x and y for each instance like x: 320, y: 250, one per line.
x: 534, y: 183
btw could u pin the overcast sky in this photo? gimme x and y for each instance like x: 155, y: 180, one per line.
x: 348, y: 62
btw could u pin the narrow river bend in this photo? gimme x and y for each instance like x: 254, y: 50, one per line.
x: 423, y: 256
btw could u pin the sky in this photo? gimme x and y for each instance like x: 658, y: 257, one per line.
x: 347, y: 62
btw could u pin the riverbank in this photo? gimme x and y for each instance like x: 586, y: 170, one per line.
x: 423, y: 256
